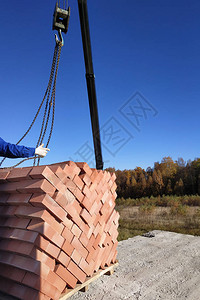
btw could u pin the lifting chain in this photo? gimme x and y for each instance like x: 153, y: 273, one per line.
x: 49, y: 110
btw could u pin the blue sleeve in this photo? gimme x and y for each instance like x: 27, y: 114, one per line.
x: 15, y: 151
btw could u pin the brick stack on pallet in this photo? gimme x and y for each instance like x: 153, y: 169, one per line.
x: 58, y: 225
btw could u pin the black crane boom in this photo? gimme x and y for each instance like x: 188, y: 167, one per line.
x: 90, y: 78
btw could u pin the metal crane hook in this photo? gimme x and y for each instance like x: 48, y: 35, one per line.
x: 60, y: 36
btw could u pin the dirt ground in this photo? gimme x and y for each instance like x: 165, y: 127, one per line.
x: 165, y: 267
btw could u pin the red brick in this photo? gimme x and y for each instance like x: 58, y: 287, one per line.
x: 91, y: 243
x: 90, y: 231
x: 16, y: 246
x: 46, y: 246
x: 105, y: 258
x: 76, y: 256
x: 28, y: 186
x: 87, y: 217
x: 94, y: 208
x: 72, y: 187
x: 107, y: 240
x: 8, y: 187
x: 83, y: 226
x: 104, y: 210
x: 113, y: 188
x: 39, y: 255
x: 73, y: 214
x: 87, y: 203
x: 59, y: 172
x: 113, y: 176
x: 84, y: 240
x: 99, y: 187
x: 105, y: 196
x: 3, y: 198
x: 94, y: 175
x: 3, y: 175
x: 36, y: 186
x: 90, y: 255
x: 21, y: 262
x: 41, y: 172
x: 63, y: 258
x: 38, y: 213
x: 68, y: 248
x: 14, y: 222
x: 45, y: 201
x: 76, y: 230
x: 42, y: 285
x: 115, y: 235
x: 70, y: 184
x: 15, y: 289
x: 96, y: 254
x: 76, y: 271
x: 103, y: 237
x: 75, y: 206
x: 78, y: 194
x: 97, y: 228
x: 29, y: 212
x: 56, y: 281
x: 97, y: 241
x: 18, y: 234
x: 67, y: 234
x: 86, y: 179
x: 79, y: 247
x: 111, y: 254
x: 7, y: 211
x: 46, y: 230
x: 71, y: 169
x: 64, y: 199
x: 12, y: 273
x: 68, y: 223
x: 19, y: 199
x: 98, y: 217
x: 114, y: 257
x: 66, y: 276
x: 85, y: 267
x: 77, y: 180
x: 93, y: 186
x: 87, y: 192
x: 19, y: 174
x: 94, y: 197
x: 84, y: 168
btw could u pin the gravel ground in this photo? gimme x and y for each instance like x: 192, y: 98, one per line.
x: 166, y: 267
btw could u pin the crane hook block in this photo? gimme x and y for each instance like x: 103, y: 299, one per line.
x: 61, y: 19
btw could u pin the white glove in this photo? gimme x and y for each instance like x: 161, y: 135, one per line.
x: 41, y: 151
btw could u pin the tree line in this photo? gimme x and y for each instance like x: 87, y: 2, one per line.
x: 167, y: 177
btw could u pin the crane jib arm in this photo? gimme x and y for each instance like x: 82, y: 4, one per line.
x: 90, y: 78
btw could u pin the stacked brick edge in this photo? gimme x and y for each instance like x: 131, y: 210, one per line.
x: 58, y: 225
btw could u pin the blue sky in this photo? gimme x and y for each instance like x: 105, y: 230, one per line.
x: 145, y: 52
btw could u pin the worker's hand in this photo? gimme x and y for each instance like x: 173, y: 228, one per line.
x: 41, y: 151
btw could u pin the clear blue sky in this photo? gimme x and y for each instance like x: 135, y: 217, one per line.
x: 146, y: 46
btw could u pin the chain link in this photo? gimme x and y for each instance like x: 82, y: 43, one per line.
x: 49, y: 104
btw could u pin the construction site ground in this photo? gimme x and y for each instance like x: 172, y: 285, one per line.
x: 165, y: 267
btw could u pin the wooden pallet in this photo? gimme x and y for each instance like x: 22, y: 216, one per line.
x: 84, y: 286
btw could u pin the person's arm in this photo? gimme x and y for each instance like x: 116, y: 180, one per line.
x: 15, y: 151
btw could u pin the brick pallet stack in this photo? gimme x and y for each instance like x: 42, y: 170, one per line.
x: 58, y: 225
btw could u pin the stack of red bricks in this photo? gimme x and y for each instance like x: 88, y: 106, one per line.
x: 58, y: 225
